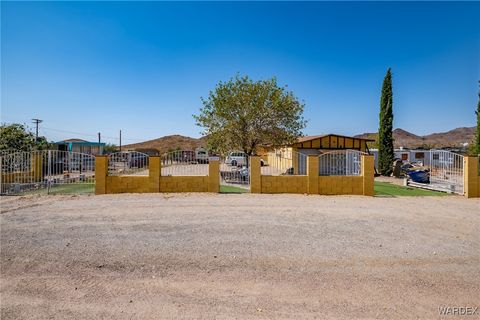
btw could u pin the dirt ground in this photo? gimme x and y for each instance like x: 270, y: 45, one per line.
x: 214, y: 256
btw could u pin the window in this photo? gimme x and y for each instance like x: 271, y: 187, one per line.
x: 404, y: 156
x: 419, y: 155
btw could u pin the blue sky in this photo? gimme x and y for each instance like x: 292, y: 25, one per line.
x: 86, y: 67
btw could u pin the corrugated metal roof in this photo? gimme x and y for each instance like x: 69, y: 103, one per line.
x: 309, y: 138
x: 74, y: 140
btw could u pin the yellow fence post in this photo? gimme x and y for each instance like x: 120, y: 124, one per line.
x: 471, y: 179
x: 255, y: 175
x: 295, y: 156
x: 101, y: 170
x: 368, y: 175
x: 36, y: 167
x: 154, y: 173
x: 312, y: 169
x: 214, y: 175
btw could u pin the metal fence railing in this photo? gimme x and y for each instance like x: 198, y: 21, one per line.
x: 446, y: 168
x: 7, y: 152
x: 128, y: 163
x: 184, y: 163
x: 30, y: 170
x: 285, y: 162
x: 235, y: 170
x: 340, y: 163
x: 20, y: 172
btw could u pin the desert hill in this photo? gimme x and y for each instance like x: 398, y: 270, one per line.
x: 453, y: 138
x: 403, y: 138
x: 168, y: 143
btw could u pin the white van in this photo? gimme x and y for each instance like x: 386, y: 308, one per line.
x: 239, y: 159
x: 236, y: 158
x: 201, y: 155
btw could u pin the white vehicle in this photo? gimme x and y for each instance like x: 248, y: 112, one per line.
x: 236, y: 158
x: 201, y: 155
x: 239, y: 159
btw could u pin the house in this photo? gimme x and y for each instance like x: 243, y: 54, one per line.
x: 321, y: 144
x: 421, y: 156
x: 79, y: 145
x: 311, y: 145
x: 328, y: 142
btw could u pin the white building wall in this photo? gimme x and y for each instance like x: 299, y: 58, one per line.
x: 412, y: 156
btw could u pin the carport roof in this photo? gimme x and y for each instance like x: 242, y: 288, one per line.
x: 332, y: 142
x: 310, y: 138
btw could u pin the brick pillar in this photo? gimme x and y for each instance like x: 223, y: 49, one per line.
x: 36, y: 166
x: 154, y: 173
x: 471, y: 177
x: 255, y: 175
x: 312, y: 171
x: 368, y: 174
x: 101, y: 171
x: 214, y: 175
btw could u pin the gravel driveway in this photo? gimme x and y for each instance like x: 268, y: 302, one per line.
x: 239, y: 256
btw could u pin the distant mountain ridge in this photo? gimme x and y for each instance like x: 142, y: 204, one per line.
x: 402, y: 138
x: 168, y: 143
x: 454, y: 138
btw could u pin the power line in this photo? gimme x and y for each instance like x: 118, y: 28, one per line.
x: 83, y: 133
x: 71, y: 132
x: 90, y: 134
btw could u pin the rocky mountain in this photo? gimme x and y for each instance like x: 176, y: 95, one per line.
x: 453, y: 138
x: 402, y: 138
x: 167, y: 143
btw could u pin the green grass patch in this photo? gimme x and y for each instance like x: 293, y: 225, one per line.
x: 232, y: 189
x: 70, y: 188
x: 389, y: 189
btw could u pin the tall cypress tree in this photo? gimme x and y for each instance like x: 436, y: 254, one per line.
x: 386, y: 154
x: 477, y: 134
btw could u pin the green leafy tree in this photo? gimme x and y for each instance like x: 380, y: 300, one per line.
x: 110, y: 148
x: 386, y: 153
x: 43, y: 144
x: 16, y: 137
x: 242, y: 114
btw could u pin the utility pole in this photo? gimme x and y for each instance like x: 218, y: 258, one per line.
x: 36, y: 121
x: 99, y: 137
x: 120, y: 144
